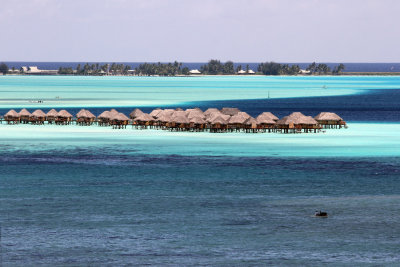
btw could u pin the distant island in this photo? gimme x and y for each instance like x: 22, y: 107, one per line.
x: 213, y: 67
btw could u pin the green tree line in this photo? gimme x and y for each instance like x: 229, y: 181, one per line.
x: 213, y: 67
x: 162, y: 69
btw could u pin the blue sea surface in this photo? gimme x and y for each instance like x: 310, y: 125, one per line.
x: 86, y: 200
x: 80, y: 208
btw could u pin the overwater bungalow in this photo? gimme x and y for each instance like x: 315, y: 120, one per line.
x: 143, y: 121
x: 197, y: 124
x: 163, y: 121
x: 265, y: 123
x: 236, y: 122
x: 11, y: 117
x: 135, y: 113
x: 119, y: 121
x: 37, y: 117
x: 85, y: 117
x: 330, y: 120
x: 296, y: 122
x: 218, y: 125
x: 51, y: 116
x: 251, y: 125
x: 63, y: 117
x: 24, y: 116
x: 104, y: 119
x: 180, y: 123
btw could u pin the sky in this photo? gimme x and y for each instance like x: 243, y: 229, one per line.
x: 199, y: 30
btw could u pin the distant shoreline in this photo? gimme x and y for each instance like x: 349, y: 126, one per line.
x: 219, y: 75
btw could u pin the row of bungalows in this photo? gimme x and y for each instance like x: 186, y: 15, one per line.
x: 38, y: 117
x: 213, y: 120
x: 227, y: 120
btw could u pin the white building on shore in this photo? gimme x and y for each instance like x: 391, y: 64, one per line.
x: 196, y: 71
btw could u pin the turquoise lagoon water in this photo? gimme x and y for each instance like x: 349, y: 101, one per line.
x: 69, y: 91
x: 78, y: 196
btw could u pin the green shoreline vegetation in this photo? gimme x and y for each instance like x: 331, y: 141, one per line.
x: 213, y: 67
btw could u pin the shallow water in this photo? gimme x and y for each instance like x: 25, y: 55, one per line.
x: 359, y: 140
x: 70, y: 91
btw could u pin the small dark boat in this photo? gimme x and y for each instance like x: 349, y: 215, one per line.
x: 321, y: 214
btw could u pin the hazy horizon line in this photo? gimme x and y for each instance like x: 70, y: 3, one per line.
x: 113, y: 61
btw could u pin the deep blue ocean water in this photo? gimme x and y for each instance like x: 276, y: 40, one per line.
x: 77, y: 208
x: 95, y: 206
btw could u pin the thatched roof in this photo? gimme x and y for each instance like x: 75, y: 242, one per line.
x: 309, y: 120
x: 297, y: 118
x: 265, y: 120
x: 238, y: 119
x: 38, y: 114
x: 213, y: 116
x: 155, y: 112
x: 24, y: 112
x: 197, y: 120
x: 114, y: 112
x: 12, y: 113
x: 180, y: 119
x: 90, y: 115
x: 244, y: 114
x: 164, y: 118
x: 64, y: 114
x: 251, y: 121
x: 144, y: 117
x: 230, y: 111
x: 328, y: 116
x: 268, y: 115
x: 136, y: 112
x: 219, y: 120
x: 83, y: 113
x: 286, y: 121
x: 52, y: 113
x: 120, y: 117
x: 178, y: 113
x: 195, y: 113
x: 80, y: 113
x: 210, y: 110
x: 166, y: 112
x: 105, y: 115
